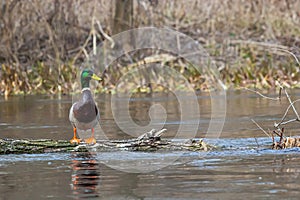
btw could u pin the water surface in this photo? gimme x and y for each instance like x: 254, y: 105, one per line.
x: 244, y: 168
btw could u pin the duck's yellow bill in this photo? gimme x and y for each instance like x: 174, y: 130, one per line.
x: 94, y: 76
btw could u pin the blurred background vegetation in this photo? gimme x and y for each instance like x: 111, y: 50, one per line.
x: 43, y: 42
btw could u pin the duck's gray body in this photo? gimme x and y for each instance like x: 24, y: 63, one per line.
x: 84, y: 113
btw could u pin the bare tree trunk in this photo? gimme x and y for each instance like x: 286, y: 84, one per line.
x: 123, y: 19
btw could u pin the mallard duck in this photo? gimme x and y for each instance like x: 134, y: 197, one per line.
x: 84, y: 113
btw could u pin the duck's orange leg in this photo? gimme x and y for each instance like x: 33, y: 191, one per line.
x: 92, y: 139
x: 75, y: 139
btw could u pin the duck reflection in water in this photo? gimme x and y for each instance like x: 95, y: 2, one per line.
x: 85, y: 176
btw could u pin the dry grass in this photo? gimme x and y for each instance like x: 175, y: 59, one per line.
x: 41, y: 41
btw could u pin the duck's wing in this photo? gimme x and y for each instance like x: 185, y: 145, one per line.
x: 97, y: 113
x: 85, y: 112
x: 71, y: 115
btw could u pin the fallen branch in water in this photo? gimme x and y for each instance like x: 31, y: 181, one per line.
x: 150, y: 141
x: 284, y: 142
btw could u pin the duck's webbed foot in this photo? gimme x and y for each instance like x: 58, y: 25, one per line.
x: 92, y: 139
x: 75, y: 139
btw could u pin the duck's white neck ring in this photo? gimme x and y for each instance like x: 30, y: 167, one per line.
x: 84, y: 89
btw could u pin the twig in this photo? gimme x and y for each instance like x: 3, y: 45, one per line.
x: 291, y: 103
x: 152, y: 134
x: 260, y: 127
x: 285, y: 114
x: 92, y: 35
x: 93, y: 31
x: 160, y: 132
x: 256, y: 142
x: 94, y: 42
x: 281, y: 135
x: 291, y: 53
x: 255, y: 43
x: 289, y: 121
x: 49, y: 30
x: 280, y: 90
x: 273, y: 139
x: 260, y: 94
x: 105, y: 35
x: 82, y: 49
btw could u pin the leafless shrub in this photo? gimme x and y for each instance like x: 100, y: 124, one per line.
x: 59, y: 33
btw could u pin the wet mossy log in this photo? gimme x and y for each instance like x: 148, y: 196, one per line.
x: 150, y: 141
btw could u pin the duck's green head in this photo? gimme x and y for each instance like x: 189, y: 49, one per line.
x: 86, y: 76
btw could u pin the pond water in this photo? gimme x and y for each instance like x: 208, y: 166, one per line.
x: 244, y: 168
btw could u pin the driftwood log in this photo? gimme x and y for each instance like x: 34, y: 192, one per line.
x: 150, y: 141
